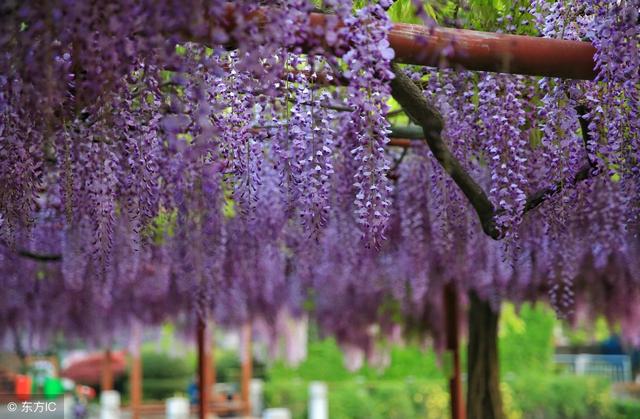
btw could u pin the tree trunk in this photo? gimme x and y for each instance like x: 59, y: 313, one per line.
x: 484, y: 400
x: 453, y: 347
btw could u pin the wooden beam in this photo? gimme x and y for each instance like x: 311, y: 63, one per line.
x: 436, y: 46
x: 487, y: 51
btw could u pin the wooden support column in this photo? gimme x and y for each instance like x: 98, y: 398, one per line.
x: 204, y: 364
x: 247, y: 368
x: 106, y: 378
x: 135, y: 377
x: 211, y: 362
x: 453, y: 347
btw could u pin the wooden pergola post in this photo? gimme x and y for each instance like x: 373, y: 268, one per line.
x: 106, y: 378
x: 135, y: 377
x: 211, y: 362
x: 453, y: 347
x: 247, y: 368
x: 204, y: 370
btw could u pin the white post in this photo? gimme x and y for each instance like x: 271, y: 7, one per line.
x: 277, y: 413
x: 318, y: 403
x: 582, y: 360
x: 109, y: 404
x: 68, y: 406
x: 177, y: 408
x: 255, y: 396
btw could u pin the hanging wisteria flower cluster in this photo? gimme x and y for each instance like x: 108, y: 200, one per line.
x: 232, y: 161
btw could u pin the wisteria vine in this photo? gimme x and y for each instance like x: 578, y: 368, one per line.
x: 162, y: 161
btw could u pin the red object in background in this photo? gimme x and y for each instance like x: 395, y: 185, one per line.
x: 88, y: 370
x: 85, y: 391
x: 23, y: 387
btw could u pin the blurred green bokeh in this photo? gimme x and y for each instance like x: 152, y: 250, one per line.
x: 414, y: 385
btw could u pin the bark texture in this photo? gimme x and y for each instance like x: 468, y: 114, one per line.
x: 484, y: 400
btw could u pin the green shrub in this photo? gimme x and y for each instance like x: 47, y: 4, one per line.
x: 430, y: 398
x: 228, y: 368
x: 525, y: 397
x: 626, y: 409
x: 412, y: 362
x: 359, y: 399
x: 161, y: 365
x: 562, y: 397
x: 526, y: 339
x: 349, y: 400
x: 162, y: 376
x: 392, y: 399
x: 291, y: 394
x: 511, y: 410
x: 162, y: 388
x: 525, y: 344
x: 324, y: 362
x: 414, y: 385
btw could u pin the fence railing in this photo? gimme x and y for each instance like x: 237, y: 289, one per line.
x: 615, y: 367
